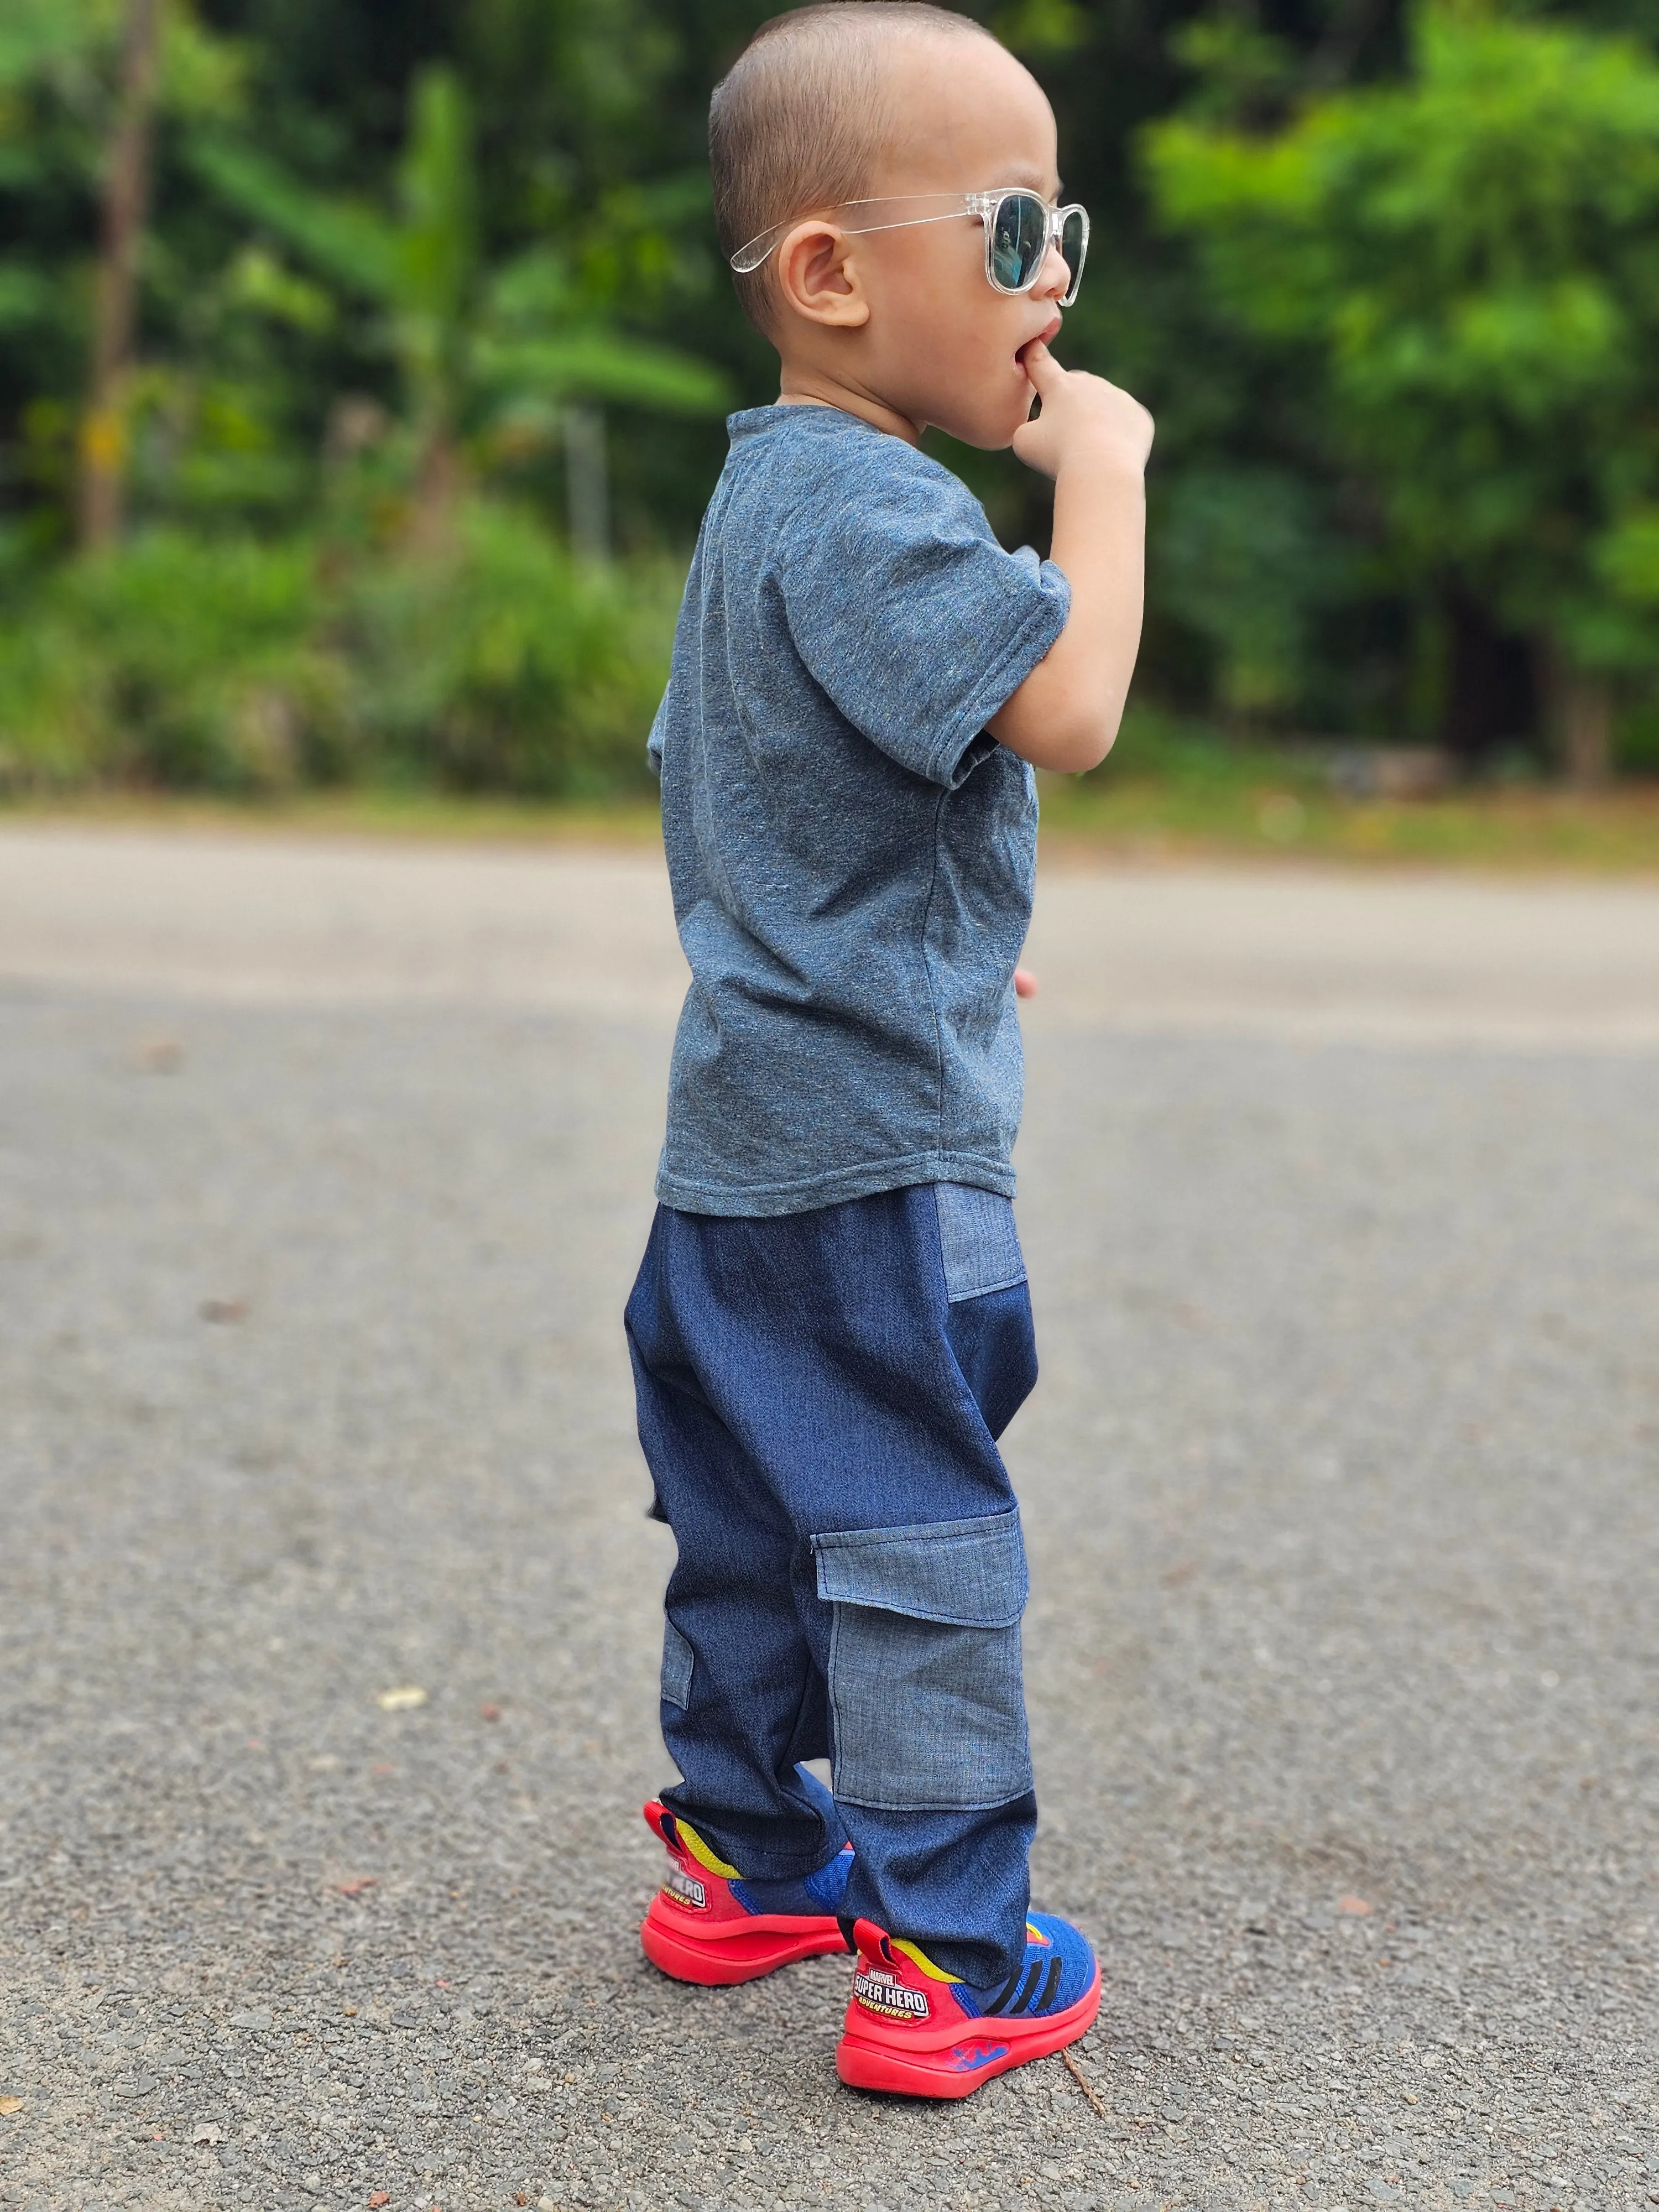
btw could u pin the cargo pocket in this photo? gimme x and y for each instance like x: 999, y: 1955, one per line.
x: 977, y: 1241
x: 675, y: 1667
x: 925, y: 1689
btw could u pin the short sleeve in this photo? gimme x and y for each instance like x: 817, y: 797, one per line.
x: 912, y: 618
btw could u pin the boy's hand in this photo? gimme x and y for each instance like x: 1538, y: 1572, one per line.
x: 1082, y: 415
x: 1093, y: 441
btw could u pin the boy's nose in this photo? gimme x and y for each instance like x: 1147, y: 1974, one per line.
x: 1055, y: 278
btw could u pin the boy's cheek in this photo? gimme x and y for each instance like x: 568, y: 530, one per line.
x: 958, y: 353
x: 981, y: 361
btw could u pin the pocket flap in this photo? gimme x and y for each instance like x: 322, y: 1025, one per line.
x: 971, y: 1573
x: 978, y: 1243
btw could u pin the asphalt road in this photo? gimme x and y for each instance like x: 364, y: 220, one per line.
x: 323, y: 1173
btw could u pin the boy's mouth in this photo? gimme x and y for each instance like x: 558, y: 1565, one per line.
x: 1046, y: 336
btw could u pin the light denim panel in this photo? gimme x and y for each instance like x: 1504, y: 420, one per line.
x: 925, y: 1689
x: 851, y: 853
x: 677, y: 1660
x: 977, y: 1241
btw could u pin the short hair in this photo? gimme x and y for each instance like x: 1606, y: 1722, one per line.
x: 801, y: 119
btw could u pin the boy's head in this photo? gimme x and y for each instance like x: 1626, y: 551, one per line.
x: 862, y: 99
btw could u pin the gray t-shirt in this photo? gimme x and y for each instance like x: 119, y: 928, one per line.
x: 852, y: 855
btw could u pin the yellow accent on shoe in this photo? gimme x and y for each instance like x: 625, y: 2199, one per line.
x: 934, y: 1973
x: 700, y: 1851
x: 1035, y: 1934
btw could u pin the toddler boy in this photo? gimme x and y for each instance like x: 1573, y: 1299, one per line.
x: 831, y: 1327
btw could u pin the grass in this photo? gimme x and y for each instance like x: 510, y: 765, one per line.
x: 1164, y: 796
x: 357, y: 811
x: 1280, y: 817
x: 1175, y: 790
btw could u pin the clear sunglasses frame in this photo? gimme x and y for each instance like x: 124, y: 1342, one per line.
x: 983, y: 207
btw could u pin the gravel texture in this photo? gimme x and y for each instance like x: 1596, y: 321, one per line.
x: 1341, y: 1490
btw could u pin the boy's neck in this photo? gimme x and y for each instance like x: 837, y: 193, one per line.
x: 803, y: 386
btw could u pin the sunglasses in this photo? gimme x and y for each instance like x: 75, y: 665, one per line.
x: 1020, y: 226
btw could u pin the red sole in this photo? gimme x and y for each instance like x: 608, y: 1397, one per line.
x: 984, y: 2050
x: 717, y: 1961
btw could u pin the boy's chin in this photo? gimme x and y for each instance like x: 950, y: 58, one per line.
x: 986, y: 421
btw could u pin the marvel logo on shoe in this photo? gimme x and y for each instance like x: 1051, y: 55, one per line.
x: 707, y: 1924
x: 680, y: 1888
x: 913, y: 2028
x: 888, y: 1998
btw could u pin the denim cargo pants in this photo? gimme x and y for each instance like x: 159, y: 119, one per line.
x: 820, y: 1399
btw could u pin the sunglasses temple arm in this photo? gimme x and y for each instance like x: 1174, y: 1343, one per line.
x: 910, y: 222
x: 858, y: 230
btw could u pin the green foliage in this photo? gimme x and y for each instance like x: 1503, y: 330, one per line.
x: 502, y: 664
x: 56, y: 98
x: 173, y: 661
x: 1241, y: 556
x: 1463, y: 269
x: 245, y: 665
x: 1390, y: 286
x: 490, y: 351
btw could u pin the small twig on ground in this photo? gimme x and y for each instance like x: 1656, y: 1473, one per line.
x: 1081, y: 2081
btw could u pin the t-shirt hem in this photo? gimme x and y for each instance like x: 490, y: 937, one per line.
x: 867, y: 1180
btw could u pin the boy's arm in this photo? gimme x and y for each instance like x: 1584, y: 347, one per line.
x: 1093, y: 441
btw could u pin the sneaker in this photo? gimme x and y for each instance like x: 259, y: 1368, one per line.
x: 913, y: 2028
x: 707, y: 1924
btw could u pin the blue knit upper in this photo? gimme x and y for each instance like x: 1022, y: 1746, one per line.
x: 1056, y: 1970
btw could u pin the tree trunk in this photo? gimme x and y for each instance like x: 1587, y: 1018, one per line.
x: 1586, y: 730
x: 126, y: 184
x: 439, y: 482
x: 586, y: 484
x: 1489, y: 701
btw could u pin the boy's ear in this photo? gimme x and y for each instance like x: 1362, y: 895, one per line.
x: 818, y: 278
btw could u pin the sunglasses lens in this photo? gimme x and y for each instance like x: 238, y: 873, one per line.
x: 1019, y: 239
x: 1074, y: 244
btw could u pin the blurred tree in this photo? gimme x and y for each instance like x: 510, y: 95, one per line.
x: 1243, y: 557
x: 126, y: 190
x: 1460, y: 270
x: 81, y: 84
x: 486, y: 355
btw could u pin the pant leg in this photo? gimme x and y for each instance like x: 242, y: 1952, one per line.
x: 742, y: 1697
x: 956, y: 1881
x: 817, y: 1411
